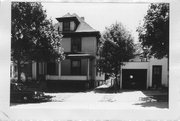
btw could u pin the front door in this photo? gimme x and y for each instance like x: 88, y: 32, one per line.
x: 156, y: 76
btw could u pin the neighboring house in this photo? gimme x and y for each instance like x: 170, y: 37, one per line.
x: 80, y: 48
x: 144, y: 73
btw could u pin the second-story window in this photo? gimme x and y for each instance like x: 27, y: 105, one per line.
x: 76, y: 44
x: 66, y: 26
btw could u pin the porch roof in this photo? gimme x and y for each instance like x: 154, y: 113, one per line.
x: 80, y: 56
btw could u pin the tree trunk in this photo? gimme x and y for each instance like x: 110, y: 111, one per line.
x: 119, y: 76
x: 116, y: 84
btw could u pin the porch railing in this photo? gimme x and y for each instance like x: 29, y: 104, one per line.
x: 69, y: 77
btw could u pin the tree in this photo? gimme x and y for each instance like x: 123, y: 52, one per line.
x: 154, y: 33
x: 33, y: 37
x: 116, y: 47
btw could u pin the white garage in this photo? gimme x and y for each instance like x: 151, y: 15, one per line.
x: 143, y: 75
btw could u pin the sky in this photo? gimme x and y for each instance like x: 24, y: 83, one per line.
x: 101, y: 15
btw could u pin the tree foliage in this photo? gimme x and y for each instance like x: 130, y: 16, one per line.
x: 33, y: 36
x: 116, y: 47
x: 154, y: 33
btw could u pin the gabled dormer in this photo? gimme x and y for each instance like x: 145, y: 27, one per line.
x: 68, y: 23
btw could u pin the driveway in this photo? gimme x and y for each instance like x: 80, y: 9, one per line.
x: 103, y: 98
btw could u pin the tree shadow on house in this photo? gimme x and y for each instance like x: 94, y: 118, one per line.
x: 155, y: 98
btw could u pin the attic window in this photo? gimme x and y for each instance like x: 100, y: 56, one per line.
x: 72, y: 25
x: 66, y: 26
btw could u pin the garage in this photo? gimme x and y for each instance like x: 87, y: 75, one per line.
x: 134, y: 78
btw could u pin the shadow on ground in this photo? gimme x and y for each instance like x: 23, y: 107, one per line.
x: 155, y: 98
x: 154, y: 104
x: 45, y: 98
x: 109, y: 89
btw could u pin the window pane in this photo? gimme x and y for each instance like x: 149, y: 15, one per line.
x: 60, y: 25
x: 76, y: 64
x: 76, y: 67
x: 66, y: 26
x: 72, y: 25
x: 76, y: 44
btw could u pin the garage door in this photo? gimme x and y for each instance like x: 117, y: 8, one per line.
x: 134, y: 78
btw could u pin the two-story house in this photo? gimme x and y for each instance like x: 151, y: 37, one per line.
x: 80, y: 48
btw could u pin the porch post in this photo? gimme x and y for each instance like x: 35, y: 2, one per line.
x: 59, y: 67
x: 34, y: 66
x: 88, y: 69
x: 121, y: 78
x: 12, y: 69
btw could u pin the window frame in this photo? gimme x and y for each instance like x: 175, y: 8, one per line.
x: 66, y: 26
x: 76, y: 68
x: 75, y: 43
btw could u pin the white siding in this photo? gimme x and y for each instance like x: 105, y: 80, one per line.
x: 136, y: 65
x: 164, y: 63
x: 89, y: 45
x: 148, y: 65
x: 66, y: 44
x: 69, y: 77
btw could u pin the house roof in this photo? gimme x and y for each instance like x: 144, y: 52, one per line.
x: 82, y: 27
x: 67, y: 15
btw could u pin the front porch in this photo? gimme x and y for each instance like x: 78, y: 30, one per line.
x: 76, y: 67
x: 69, y: 77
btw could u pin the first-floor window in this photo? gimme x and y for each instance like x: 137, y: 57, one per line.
x: 76, y: 67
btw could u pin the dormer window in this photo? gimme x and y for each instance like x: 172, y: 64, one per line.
x: 72, y: 26
x: 66, y: 26
x: 69, y: 26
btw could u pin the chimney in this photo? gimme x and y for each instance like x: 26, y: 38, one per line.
x: 82, y: 18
